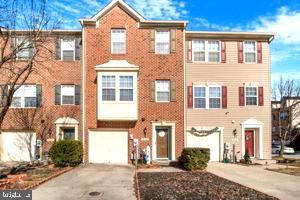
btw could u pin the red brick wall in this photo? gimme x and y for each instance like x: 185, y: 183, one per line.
x: 50, y: 72
x: 152, y: 67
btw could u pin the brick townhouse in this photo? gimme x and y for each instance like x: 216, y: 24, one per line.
x: 153, y: 82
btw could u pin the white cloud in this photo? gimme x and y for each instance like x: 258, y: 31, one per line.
x: 204, y: 23
x: 66, y: 7
x: 159, y: 9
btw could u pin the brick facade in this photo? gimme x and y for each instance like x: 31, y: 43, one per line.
x: 151, y: 68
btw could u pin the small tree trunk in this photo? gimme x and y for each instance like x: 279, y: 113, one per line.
x: 281, y: 149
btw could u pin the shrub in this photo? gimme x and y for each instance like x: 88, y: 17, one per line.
x: 194, y: 158
x: 66, y: 153
x: 247, y: 157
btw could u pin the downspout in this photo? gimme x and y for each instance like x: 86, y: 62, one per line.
x: 83, y: 91
x: 184, y: 88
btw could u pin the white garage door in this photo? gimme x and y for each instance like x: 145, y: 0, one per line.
x: 211, y: 141
x: 16, y: 146
x: 109, y: 147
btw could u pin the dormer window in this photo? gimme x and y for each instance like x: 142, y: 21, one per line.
x: 118, y: 41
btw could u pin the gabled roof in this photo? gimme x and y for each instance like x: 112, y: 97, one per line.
x: 133, y: 13
x: 121, y: 3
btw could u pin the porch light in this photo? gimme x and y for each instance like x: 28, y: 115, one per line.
x: 145, y: 132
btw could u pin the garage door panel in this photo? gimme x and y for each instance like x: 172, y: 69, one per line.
x: 109, y: 147
x: 211, y: 141
x: 16, y: 146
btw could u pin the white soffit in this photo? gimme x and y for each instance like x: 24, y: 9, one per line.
x: 113, y: 65
x: 252, y: 121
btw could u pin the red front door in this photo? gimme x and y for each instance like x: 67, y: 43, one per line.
x: 249, y: 142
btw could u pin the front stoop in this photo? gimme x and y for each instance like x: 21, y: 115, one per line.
x: 165, y: 162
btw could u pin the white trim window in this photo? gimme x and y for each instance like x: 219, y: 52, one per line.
x: 251, y: 96
x: 126, y: 88
x: 67, y: 94
x: 250, y: 55
x: 215, y: 97
x: 207, y: 97
x: 199, y: 97
x: 108, y: 88
x: 206, y: 51
x: 118, y: 41
x: 162, y: 90
x: 199, y: 50
x: 25, y: 97
x: 162, y: 41
x: 68, y: 49
x: 26, y: 48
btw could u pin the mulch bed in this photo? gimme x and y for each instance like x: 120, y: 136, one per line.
x: 193, y: 185
x: 31, y: 178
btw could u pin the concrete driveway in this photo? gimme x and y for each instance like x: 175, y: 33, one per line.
x: 279, y: 185
x: 102, y: 181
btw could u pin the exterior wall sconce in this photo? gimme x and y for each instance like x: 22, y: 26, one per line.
x: 145, y: 132
x: 234, y: 132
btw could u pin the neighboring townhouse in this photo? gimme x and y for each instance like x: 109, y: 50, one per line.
x: 228, y: 88
x: 133, y: 85
x: 284, y: 112
x: 152, y: 83
x: 47, y: 106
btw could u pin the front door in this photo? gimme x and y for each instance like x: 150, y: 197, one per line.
x: 249, y: 142
x: 162, y: 143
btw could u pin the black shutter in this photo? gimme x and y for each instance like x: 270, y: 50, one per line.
x: 58, y: 49
x: 38, y: 95
x: 77, y: 94
x: 77, y: 48
x: 57, y: 94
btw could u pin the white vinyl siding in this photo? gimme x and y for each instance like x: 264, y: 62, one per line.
x: 162, y: 42
x: 118, y: 41
x: 206, y: 51
x: 251, y: 96
x: 250, y: 55
x: 25, y: 97
x: 67, y: 94
x: 162, y: 89
x: 207, y: 97
x: 68, y: 49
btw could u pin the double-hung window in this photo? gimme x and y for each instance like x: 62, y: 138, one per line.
x: 207, y: 97
x: 118, y: 41
x: 213, y: 51
x: 200, y: 97
x: 68, y: 49
x: 199, y: 50
x: 25, y: 48
x: 68, y: 94
x: 126, y: 88
x: 250, y: 52
x: 162, y: 42
x: 251, y: 96
x: 108, y: 88
x: 206, y: 50
x: 25, y: 97
x: 214, y: 97
x: 162, y: 88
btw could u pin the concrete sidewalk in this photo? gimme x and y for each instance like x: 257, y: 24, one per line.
x: 90, y: 182
x: 279, y: 185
